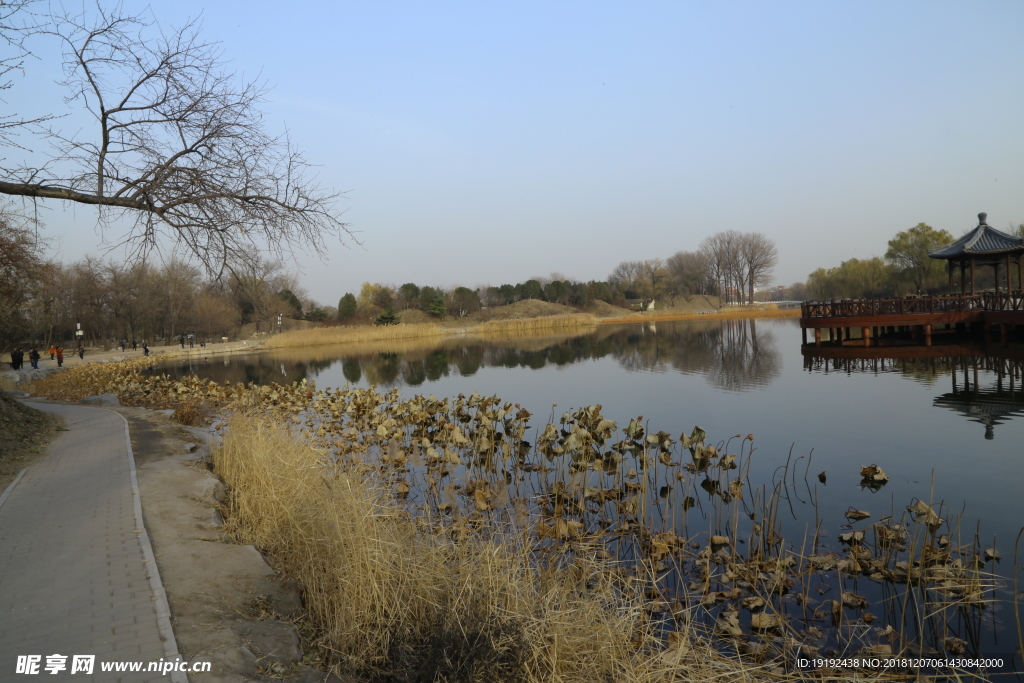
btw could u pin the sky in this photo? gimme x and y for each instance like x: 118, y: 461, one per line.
x: 484, y: 143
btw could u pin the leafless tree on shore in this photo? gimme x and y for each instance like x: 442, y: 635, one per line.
x: 177, y: 146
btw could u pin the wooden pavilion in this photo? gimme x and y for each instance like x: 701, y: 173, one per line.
x: 983, y: 246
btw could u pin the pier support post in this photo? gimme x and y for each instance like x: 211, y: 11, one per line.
x: 1002, y: 331
x: 817, y: 336
x: 803, y: 336
x: 864, y: 333
x: 928, y: 335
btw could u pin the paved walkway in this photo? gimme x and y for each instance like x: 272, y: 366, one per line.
x: 77, y: 573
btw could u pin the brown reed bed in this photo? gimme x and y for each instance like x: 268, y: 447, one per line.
x: 402, y: 598
x: 356, y: 334
x: 525, y: 326
x: 392, y: 333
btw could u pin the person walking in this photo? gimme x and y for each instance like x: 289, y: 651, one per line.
x: 135, y: 345
x: 81, y: 352
x: 60, y: 356
x: 145, y: 349
x: 52, y: 351
x: 33, y: 357
x: 182, y: 340
x: 14, y: 359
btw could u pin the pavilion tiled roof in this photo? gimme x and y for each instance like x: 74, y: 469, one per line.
x: 984, y: 240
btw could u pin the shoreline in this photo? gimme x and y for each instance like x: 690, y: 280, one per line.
x: 369, y: 334
x: 516, y: 327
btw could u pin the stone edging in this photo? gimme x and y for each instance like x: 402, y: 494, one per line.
x: 163, y: 610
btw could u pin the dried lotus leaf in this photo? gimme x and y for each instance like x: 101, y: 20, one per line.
x: 765, y: 621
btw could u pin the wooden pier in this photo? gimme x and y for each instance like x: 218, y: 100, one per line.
x: 864, y: 322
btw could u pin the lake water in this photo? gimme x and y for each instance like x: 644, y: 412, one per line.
x: 730, y: 377
x: 941, y: 440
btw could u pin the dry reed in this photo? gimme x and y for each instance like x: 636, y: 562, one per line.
x: 512, y: 326
x: 396, y: 596
x: 355, y: 334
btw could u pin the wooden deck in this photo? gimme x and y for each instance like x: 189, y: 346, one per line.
x: 861, y: 320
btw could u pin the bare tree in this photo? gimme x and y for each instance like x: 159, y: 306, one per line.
x: 721, y: 253
x: 758, y: 257
x: 688, y: 273
x: 653, y: 273
x: 626, y: 273
x: 178, y: 146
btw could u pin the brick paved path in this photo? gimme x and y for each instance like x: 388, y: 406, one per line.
x: 74, y: 563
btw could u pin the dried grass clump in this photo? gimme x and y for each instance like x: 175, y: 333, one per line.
x: 400, y: 597
x: 189, y: 414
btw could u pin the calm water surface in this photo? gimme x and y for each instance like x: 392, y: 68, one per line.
x: 947, y: 429
x: 935, y: 442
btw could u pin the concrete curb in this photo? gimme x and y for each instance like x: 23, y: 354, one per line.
x: 163, y: 610
x: 7, y: 491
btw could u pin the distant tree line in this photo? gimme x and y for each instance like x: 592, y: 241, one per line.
x: 43, y: 302
x: 728, y: 264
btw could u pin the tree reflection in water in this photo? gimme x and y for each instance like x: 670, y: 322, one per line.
x: 732, y: 354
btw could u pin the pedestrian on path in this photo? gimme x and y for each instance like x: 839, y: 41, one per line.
x: 135, y: 345
x: 60, y: 356
x: 145, y: 349
x: 81, y: 352
x: 33, y: 356
x: 52, y: 351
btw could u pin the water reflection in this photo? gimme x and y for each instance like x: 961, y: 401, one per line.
x: 734, y: 355
x: 985, y: 381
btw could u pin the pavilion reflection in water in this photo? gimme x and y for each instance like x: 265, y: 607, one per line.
x: 985, y: 381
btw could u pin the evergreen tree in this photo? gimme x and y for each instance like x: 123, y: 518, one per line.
x: 347, y: 307
x: 388, y: 317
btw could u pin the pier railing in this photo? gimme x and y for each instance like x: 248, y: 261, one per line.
x: 986, y: 301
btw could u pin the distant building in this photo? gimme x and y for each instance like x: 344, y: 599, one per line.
x: 640, y: 304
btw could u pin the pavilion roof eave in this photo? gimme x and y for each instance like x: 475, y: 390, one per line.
x: 982, y: 243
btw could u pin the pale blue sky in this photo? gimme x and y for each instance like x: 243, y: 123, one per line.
x: 486, y: 143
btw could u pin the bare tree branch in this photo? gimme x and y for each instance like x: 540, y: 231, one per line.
x: 177, y: 146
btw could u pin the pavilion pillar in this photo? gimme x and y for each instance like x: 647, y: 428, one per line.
x: 949, y: 272
x: 963, y: 279
x: 972, y: 275
x: 1020, y: 279
x: 995, y: 269
x: 1009, y: 284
